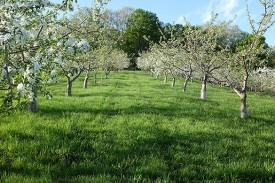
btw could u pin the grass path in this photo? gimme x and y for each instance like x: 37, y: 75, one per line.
x: 133, y: 128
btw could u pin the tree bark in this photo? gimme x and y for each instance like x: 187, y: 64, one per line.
x: 174, y: 82
x: 8, y: 77
x: 33, y: 100
x: 187, y: 79
x: 87, y: 76
x: 165, y: 77
x: 106, y: 73
x: 33, y: 106
x: 243, y: 95
x: 70, y: 83
x: 243, y: 106
x: 95, y: 77
x: 184, y: 87
x: 69, y: 87
x: 203, y: 88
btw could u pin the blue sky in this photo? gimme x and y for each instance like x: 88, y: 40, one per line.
x: 196, y: 11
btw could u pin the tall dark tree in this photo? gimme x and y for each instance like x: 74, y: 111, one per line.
x: 142, y: 28
x: 272, y: 60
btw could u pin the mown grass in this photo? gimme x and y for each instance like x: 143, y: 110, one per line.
x: 133, y: 128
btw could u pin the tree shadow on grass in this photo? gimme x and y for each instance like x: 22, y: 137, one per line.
x: 105, y: 94
x: 148, y: 105
x: 199, y: 114
x: 150, y: 153
x: 264, y: 121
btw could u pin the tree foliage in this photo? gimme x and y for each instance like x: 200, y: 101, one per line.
x: 142, y: 28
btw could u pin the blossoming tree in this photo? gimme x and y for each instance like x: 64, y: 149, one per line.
x: 70, y: 60
x: 203, y: 46
x: 27, y: 30
x: 28, y: 35
x: 247, y: 57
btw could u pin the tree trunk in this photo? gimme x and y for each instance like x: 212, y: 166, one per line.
x: 165, y: 77
x: 33, y: 106
x: 10, y: 85
x: 69, y: 87
x: 95, y: 75
x: 70, y: 83
x: 33, y: 100
x: 184, y: 87
x: 106, y: 73
x: 174, y: 82
x: 243, y: 106
x: 243, y: 95
x: 203, y: 87
x: 187, y: 79
x: 87, y: 76
x: 157, y: 76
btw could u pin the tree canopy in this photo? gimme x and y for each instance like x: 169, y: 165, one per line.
x: 142, y: 28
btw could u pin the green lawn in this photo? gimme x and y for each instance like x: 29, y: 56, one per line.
x: 134, y: 128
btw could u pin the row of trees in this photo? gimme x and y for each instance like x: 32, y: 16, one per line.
x: 217, y: 52
x: 39, y: 42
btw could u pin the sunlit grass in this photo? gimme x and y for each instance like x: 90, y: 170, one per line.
x: 134, y: 128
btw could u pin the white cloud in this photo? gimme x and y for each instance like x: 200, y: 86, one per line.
x: 207, y: 14
x: 226, y: 9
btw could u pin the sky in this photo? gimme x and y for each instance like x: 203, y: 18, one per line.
x: 196, y: 11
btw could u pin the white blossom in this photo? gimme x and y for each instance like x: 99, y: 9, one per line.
x: 71, y: 50
x: 38, y: 56
x: 58, y: 60
x: 59, y: 43
x: 21, y: 89
x: 70, y: 42
x: 28, y: 73
x: 36, y: 66
x: 10, y: 69
x: 4, y: 73
x: 83, y: 44
x: 4, y: 38
x: 53, y: 72
x: 50, y: 51
x: 31, y: 96
x: 31, y: 80
x: 25, y: 35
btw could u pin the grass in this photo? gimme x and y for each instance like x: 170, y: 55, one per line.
x: 133, y: 128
